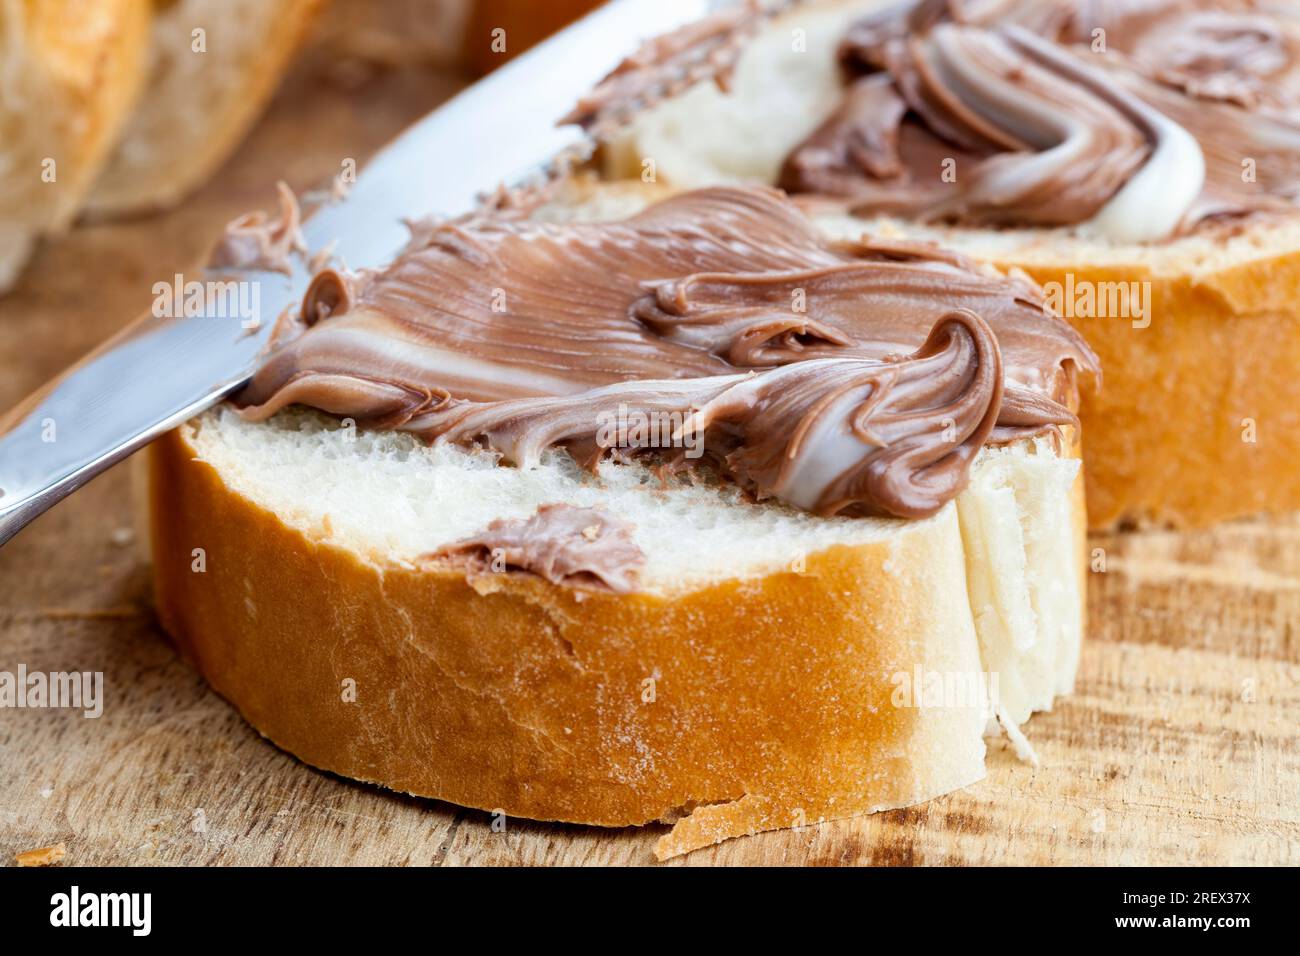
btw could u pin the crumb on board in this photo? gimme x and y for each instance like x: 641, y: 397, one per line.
x: 42, y: 856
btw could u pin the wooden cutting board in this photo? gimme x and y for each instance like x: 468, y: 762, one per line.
x: 1180, y: 745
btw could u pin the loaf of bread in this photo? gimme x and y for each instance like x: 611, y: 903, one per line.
x: 213, y: 66
x: 624, y: 643
x: 1194, y: 319
x: 112, y: 107
x: 70, y: 71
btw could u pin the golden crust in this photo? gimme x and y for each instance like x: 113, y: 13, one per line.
x: 42, y: 856
x: 1169, y: 433
x: 747, y: 705
x: 86, y: 62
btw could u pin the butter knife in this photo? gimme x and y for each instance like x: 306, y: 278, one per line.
x: 162, y: 370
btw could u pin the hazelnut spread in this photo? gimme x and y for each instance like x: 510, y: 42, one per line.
x: 258, y: 241
x: 1134, y: 120
x: 584, y: 548
x: 836, y: 376
x: 668, y: 65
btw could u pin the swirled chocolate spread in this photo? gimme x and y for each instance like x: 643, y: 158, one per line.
x: 1135, y: 120
x: 850, y: 377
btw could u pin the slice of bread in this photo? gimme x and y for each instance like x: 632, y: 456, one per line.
x: 771, y: 669
x: 70, y: 71
x: 1197, y: 421
x: 214, y: 66
x: 774, y: 669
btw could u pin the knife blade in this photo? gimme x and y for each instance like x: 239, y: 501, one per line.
x: 166, y: 368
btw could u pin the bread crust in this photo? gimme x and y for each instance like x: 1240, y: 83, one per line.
x: 1198, y: 416
x: 85, y: 64
x: 770, y: 703
x: 98, y: 69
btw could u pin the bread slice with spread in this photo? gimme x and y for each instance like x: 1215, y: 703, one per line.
x: 618, y: 511
x: 1140, y: 160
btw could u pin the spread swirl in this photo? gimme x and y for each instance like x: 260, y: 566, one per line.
x: 839, y: 377
x: 1135, y: 120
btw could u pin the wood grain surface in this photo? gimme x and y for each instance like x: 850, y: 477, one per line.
x: 1180, y: 744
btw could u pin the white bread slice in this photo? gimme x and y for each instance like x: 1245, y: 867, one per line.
x: 70, y: 71
x: 774, y: 668
x: 753, y: 683
x: 1197, y: 419
x: 203, y: 94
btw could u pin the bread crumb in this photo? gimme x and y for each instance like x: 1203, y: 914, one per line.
x: 42, y: 856
x: 1019, y: 742
x: 122, y: 537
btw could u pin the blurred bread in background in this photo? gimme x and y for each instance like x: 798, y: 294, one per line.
x: 70, y: 72
x: 213, y: 67
x: 112, y: 108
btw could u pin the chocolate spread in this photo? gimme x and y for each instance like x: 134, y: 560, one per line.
x: 584, y: 548
x: 836, y: 376
x: 1135, y: 120
x: 258, y: 241
x: 670, y: 64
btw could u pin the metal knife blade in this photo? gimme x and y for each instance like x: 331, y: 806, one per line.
x: 163, y: 370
